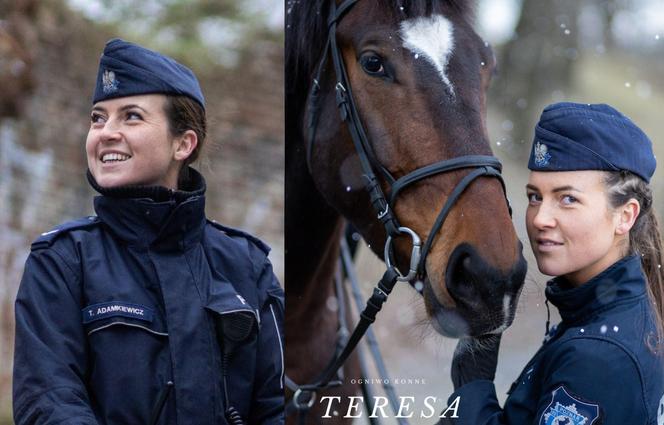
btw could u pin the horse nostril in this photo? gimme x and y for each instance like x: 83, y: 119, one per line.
x: 460, y: 279
x: 472, y: 282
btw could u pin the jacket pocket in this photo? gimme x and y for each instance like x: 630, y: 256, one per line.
x: 129, y: 369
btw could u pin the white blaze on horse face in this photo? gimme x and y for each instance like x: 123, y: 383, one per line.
x: 431, y: 38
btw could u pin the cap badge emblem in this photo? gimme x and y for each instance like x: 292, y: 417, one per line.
x: 110, y: 84
x: 542, y: 155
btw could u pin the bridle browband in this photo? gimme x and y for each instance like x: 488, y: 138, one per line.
x: 304, y: 395
x: 483, y: 165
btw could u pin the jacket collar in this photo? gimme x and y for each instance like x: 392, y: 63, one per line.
x: 153, y: 216
x: 619, y: 282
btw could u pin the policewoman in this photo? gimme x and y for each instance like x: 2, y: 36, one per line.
x: 591, y: 224
x: 147, y: 313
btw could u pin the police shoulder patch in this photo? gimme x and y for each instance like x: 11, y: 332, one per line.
x: 46, y: 239
x: 230, y: 231
x: 566, y: 409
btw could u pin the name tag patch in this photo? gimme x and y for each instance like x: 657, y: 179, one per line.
x: 115, y: 308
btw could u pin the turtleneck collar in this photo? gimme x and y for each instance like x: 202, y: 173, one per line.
x: 618, y: 283
x: 154, y: 216
x: 193, y: 186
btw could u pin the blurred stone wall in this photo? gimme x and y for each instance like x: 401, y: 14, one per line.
x: 42, y: 134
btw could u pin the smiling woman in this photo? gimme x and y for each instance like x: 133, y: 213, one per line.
x: 147, y: 313
x: 130, y: 143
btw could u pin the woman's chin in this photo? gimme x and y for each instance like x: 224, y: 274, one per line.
x: 111, y: 180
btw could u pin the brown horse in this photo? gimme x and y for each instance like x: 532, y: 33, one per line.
x: 419, y: 75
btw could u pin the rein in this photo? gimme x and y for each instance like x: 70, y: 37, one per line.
x: 483, y: 165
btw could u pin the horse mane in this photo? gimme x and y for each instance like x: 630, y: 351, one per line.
x: 306, y: 34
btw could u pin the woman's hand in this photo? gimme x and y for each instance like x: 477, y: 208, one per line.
x: 475, y: 358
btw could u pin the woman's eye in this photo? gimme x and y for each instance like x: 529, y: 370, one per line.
x: 134, y: 116
x: 373, y: 65
x: 96, y: 118
x: 533, y: 198
x: 568, y: 200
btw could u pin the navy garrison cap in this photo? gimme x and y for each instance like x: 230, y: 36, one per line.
x: 574, y: 136
x: 127, y: 69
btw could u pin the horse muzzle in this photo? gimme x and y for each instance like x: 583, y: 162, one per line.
x: 485, y: 298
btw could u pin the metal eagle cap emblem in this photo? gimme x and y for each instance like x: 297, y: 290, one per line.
x: 109, y: 83
x: 542, y: 155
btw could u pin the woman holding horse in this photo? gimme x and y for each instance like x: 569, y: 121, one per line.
x: 591, y: 224
x: 147, y: 313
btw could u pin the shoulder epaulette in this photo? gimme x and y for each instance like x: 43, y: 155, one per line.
x: 46, y: 239
x: 230, y: 231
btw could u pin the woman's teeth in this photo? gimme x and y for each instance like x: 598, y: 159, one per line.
x: 114, y: 157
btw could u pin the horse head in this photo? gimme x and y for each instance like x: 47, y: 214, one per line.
x: 418, y: 74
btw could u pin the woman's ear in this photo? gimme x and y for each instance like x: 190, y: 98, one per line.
x: 627, y: 215
x: 185, y: 145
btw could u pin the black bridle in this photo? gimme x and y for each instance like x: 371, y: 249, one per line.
x: 482, y: 165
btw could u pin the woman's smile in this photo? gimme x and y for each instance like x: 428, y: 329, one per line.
x: 113, y: 157
x: 548, y: 245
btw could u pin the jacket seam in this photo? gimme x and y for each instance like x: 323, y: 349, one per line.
x: 71, y: 270
x: 211, y: 337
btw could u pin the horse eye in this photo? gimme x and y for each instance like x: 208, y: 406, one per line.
x: 372, y: 65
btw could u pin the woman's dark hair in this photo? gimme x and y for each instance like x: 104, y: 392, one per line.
x: 645, y: 239
x: 184, y: 113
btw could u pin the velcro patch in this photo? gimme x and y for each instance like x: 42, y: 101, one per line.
x: 114, y: 308
x: 566, y: 409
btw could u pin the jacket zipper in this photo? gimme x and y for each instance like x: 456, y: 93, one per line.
x: 161, y: 402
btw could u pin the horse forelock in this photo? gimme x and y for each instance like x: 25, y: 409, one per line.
x: 415, y: 8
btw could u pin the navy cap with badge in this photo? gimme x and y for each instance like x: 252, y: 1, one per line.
x: 573, y: 136
x: 127, y: 69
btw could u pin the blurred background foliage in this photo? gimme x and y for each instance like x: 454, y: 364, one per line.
x: 204, y: 33
x: 49, y: 53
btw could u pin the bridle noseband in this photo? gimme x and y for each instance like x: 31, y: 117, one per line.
x: 483, y: 165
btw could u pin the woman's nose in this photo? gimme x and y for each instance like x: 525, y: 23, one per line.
x: 544, y: 217
x: 110, y: 132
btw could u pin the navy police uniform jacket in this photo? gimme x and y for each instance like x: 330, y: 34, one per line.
x: 598, y: 366
x: 148, y: 314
